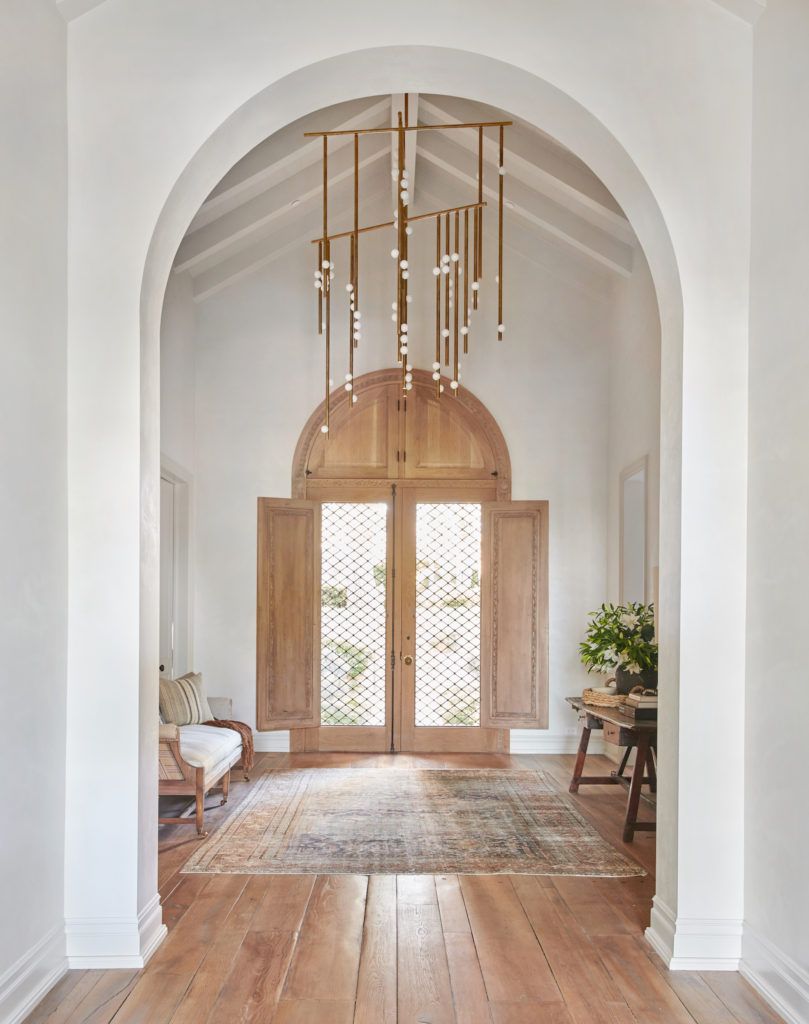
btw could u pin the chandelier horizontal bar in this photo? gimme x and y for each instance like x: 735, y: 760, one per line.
x: 390, y: 223
x: 410, y: 128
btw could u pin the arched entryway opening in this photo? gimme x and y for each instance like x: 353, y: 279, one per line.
x: 529, y: 96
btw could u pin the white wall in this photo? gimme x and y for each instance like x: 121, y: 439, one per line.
x: 259, y: 378
x: 177, y: 374
x: 634, y: 412
x: 33, y: 495
x: 672, y: 146
x: 776, y: 943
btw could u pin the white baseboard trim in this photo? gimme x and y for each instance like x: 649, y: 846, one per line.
x: 540, y: 741
x: 271, y: 742
x: 523, y: 741
x: 782, y: 982
x: 107, y: 943
x: 694, y: 944
x: 24, y: 983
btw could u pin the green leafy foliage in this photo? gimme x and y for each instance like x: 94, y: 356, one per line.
x: 620, y: 636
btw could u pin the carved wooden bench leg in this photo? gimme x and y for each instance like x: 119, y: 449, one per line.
x: 225, y: 787
x: 199, y: 797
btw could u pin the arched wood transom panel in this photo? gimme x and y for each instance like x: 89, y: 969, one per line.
x: 390, y: 436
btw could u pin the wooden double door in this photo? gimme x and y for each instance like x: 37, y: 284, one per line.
x: 407, y: 616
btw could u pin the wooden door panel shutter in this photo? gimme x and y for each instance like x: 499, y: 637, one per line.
x: 288, y: 615
x: 514, y: 615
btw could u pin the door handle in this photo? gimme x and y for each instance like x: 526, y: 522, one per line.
x: 408, y: 660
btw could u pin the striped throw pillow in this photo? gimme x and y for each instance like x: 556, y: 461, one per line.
x: 183, y: 700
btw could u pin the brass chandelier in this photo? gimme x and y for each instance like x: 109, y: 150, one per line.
x: 453, y: 240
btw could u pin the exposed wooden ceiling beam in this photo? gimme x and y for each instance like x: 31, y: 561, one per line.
x: 254, y: 215
x: 539, y: 162
x: 285, y: 154
x: 293, y: 237
x: 532, y: 206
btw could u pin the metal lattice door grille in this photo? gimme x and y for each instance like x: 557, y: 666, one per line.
x: 354, y: 551
x: 448, y: 542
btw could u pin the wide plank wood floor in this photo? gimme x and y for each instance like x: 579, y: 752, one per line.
x: 423, y: 949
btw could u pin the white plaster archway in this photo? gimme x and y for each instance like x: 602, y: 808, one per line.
x: 478, y: 77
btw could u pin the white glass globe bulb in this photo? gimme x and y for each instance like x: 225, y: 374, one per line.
x: 445, y: 268
x: 405, y: 275
x: 455, y: 257
x: 353, y: 398
x: 464, y: 330
x: 454, y: 385
x: 408, y: 387
x: 441, y: 389
x: 404, y: 328
x: 436, y: 271
x: 436, y: 366
x: 501, y: 170
x: 403, y: 350
x: 445, y: 332
x: 324, y: 429
x: 357, y: 315
x: 348, y: 376
x: 408, y: 230
x: 403, y: 264
x: 349, y: 287
x: 500, y: 328
x: 445, y: 258
x: 436, y: 376
x: 349, y: 386
x: 325, y: 264
x: 393, y: 305
x: 408, y: 377
x: 475, y: 286
x: 394, y: 253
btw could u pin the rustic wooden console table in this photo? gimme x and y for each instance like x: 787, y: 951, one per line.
x: 625, y: 732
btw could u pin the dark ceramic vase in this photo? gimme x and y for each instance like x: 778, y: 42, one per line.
x: 626, y: 681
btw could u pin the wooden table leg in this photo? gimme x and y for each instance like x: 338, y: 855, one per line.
x: 641, y: 756
x: 652, y: 773
x: 620, y: 773
x: 578, y: 769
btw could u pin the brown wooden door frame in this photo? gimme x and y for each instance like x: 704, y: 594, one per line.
x: 400, y: 732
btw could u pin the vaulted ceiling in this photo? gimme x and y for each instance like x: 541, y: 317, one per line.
x: 269, y: 203
x: 749, y: 10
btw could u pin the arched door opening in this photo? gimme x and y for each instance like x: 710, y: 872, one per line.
x: 620, y: 164
x: 404, y: 564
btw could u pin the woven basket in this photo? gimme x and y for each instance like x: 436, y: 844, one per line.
x: 602, y: 700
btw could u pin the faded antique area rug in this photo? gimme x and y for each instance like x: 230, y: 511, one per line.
x: 419, y: 821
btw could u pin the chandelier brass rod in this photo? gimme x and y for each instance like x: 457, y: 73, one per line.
x: 320, y: 289
x: 408, y: 128
x: 437, y: 362
x: 446, y: 292
x: 327, y: 276
x: 390, y: 223
x: 480, y: 197
x: 466, y: 280
x: 455, y: 298
x: 356, y: 279
x: 501, y: 169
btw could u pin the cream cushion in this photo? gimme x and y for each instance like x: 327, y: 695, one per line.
x: 183, y: 700
x: 209, y: 747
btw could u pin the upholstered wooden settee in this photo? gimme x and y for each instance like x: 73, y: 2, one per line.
x: 195, y: 759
